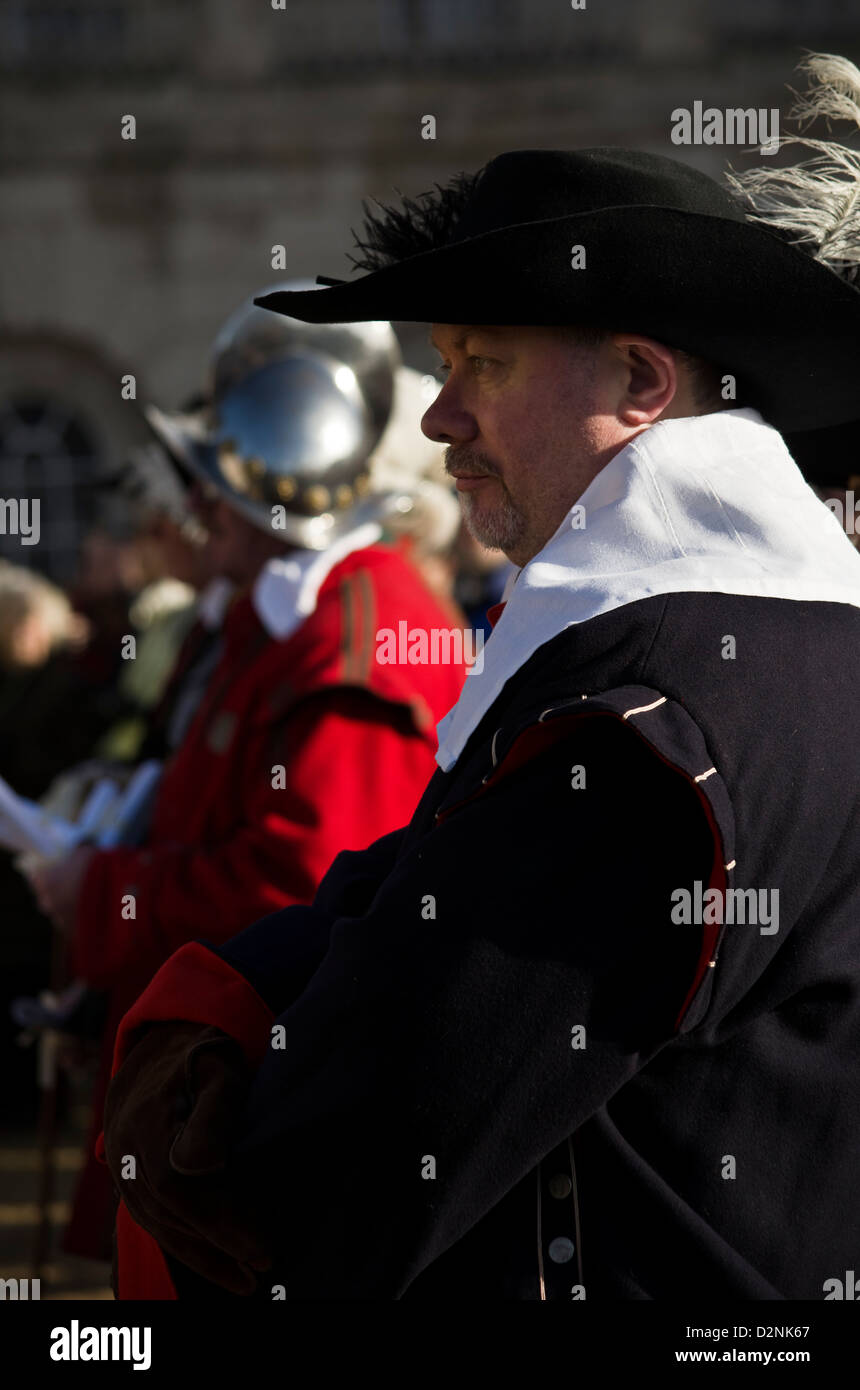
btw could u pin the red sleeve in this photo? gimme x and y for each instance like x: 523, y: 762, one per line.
x: 197, y: 987
x: 354, y: 770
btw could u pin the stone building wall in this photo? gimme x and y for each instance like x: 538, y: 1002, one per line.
x: 258, y: 126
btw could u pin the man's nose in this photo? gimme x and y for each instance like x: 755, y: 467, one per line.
x: 447, y: 421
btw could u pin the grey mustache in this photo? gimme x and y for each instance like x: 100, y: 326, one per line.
x: 469, y: 465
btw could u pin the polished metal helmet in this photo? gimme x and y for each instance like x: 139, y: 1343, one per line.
x: 252, y: 337
x: 288, y: 447
x: 295, y: 412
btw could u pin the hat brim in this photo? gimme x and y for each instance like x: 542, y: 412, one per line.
x: 176, y: 436
x: 729, y: 291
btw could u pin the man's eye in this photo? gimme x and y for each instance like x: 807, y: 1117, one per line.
x: 478, y: 364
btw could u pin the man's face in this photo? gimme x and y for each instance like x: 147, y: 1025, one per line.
x: 234, y: 547
x: 527, y: 418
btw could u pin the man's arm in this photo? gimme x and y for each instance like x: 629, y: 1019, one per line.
x: 517, y: 966
x: 279, y: 954
x: 441, y: 1031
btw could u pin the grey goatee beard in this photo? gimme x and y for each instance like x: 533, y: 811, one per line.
x: 499, y: 526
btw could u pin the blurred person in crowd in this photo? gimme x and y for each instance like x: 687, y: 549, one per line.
x: 175, y: 620
x: 192, y: 560
x: 51, y: 714
x: 177, y: 613
x: 279, y: 769
x: 36, y: 619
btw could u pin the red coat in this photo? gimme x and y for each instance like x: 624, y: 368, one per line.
x: 280, y: 770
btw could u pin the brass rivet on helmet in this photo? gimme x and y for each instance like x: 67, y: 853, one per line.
x: 286, y: 488
x: 317, y: 497
x: 256, y: 471
x: 343, y: 495
x: 231, y: 466
x: 362, y: 485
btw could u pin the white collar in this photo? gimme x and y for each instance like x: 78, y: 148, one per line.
x: 286, y: 590
x: 710, y: 503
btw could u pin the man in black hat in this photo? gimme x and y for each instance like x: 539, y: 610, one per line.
x: 588, y: 1025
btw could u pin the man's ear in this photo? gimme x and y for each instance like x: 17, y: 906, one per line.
x: 649, y: 376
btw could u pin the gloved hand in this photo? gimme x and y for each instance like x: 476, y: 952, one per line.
x: 175, y: 1106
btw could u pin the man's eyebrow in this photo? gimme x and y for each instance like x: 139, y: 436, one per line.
x: 468, y: 330
x: 458, y: 341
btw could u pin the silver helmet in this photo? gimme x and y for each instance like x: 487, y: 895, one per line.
x: 252, y: 336
x: 296, y: 410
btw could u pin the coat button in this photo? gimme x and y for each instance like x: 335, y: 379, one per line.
x: 560, y: 1186
x: 561, y: 1250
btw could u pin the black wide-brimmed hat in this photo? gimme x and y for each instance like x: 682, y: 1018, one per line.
x: 668, y: 253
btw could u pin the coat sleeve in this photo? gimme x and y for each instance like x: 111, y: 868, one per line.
x: 435, y: 1056
x: 138, y: 906
x: 279, y: 954
x: 234, y: 989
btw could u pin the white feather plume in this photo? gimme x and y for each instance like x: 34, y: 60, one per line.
x: 816, y: 202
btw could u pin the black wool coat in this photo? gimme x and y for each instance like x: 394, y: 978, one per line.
x: 507, y: 1072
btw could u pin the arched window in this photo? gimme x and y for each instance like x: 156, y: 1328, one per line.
x: 64, y: 429
x: 48, y: 456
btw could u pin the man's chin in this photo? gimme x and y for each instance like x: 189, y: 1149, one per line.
x: 491, y: 530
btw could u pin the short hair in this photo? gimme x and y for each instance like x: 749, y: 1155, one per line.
x: 706, y: 381
x: 706, y: 378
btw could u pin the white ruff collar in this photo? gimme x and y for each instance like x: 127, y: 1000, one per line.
x: 710, y: 503
x: 286, y: 591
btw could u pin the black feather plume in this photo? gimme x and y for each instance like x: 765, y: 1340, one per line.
x: 393, y: 233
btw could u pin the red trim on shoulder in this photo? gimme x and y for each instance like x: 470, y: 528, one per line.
x: 710, y: 931
x: 494, y: 613
x: 534, y: 740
